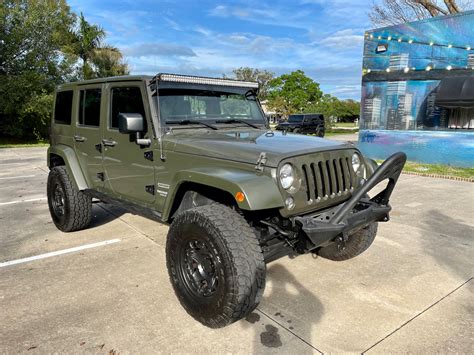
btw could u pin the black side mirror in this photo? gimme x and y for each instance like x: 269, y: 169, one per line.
x: 133, y: 123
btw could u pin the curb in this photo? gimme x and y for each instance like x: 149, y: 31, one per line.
x: 439, y: 176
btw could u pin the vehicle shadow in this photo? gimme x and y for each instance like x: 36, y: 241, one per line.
x: 103, y: 214
x: 451, y: 244
x: 292, y: 306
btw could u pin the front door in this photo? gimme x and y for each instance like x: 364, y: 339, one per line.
x: 87, y: 134
x: 128, y: 167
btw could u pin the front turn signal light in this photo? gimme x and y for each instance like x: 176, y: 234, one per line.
x: 240, y: 197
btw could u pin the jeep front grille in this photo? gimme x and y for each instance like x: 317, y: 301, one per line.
x: 328, y: 178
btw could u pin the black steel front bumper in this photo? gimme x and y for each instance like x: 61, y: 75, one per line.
x: 359, y: 210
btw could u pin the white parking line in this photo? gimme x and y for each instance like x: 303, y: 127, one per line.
x: 16, y: 177
x: 59, y: 252
x: 20, y: 201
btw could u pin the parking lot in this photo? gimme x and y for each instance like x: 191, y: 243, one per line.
x: 412, y: 291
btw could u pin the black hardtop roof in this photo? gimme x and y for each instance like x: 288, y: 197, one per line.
x: 106, y: 80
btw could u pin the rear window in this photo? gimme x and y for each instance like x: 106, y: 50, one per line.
x: 89, y: 107
x: 63, y: 107
x: 295, y: 118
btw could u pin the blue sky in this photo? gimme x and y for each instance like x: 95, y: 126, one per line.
x: 211, y: 37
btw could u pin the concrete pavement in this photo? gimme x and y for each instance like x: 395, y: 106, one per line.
x: 411, y: 291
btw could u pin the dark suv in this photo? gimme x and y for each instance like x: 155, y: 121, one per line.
x: 308, y: 123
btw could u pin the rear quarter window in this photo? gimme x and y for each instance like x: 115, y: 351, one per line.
x: 63, y: 107
x: 89, y: 107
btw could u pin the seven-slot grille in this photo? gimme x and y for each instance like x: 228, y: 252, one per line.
x: 328, y: 178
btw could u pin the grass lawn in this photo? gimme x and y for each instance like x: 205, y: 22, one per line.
x: 336, y: 131
x: 437, y: 169
x: 346, y: 125
x: 21, y: 143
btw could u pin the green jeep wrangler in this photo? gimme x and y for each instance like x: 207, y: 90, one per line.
x: 198, y: 154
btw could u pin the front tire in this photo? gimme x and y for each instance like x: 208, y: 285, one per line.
x: 357, y: 243
x: 215, y: 264
x: 70, y: 209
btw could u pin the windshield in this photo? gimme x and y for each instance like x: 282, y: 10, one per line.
x: 295, y: 118
x: 202, y: 105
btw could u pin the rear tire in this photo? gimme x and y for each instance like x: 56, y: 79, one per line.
x: 215, y: 264
x: 357, y: 243
x: 70, y: 209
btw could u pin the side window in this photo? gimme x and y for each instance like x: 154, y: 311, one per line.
x: 63, y: 107
x: 125, y: 100
x: 89, y: 107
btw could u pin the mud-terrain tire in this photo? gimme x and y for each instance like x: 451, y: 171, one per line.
x: 357, y: 243
x: 70, y: 208
x: 215, y: 264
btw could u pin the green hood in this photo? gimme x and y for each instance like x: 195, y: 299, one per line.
x: 246, y: 145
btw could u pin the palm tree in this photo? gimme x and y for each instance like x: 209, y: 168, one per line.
x: 108, y: 62
x: 88, y: 40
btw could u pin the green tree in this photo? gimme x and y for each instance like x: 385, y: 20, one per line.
x: 293, y: 93
x: 32, y: 36
x: 334, y: 109
x: 263, y: 77
x: 328, y: 105
x: 40, y: 45
x: 87, y: 40
x: 98, y: 59
x: 108, y: 61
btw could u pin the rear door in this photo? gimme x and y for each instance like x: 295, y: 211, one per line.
x: 128, y: 167
x: 87, y: 133
x: 307, y: 124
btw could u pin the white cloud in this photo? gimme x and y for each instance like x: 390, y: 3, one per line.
x: 275, y: 15
x: 158, y: 49
x: 173, y: 24
x: 344, y: 39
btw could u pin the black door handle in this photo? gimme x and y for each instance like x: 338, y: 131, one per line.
x: 109, y: 143
x: 79, y: 138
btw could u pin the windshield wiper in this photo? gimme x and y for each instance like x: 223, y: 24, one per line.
x: 186, y: 122
x: 235, y: 120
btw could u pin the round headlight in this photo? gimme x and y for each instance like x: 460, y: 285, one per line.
x: 355, y: 162
x: 287, y: 176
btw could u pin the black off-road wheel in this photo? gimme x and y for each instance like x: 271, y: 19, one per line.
x: 357, y: 243
x: 70, y: 208
x: 215, y: 264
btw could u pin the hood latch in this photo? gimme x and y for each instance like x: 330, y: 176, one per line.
x: 262, y: 159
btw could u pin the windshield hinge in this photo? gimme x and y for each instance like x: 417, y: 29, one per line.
x: 262, y: 159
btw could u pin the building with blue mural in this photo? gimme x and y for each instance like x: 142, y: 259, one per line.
x: 418, y: 91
